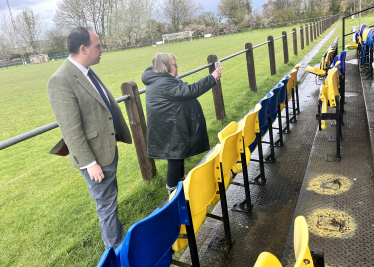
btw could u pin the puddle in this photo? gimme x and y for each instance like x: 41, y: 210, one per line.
x: 350, y: 94
x: 352, y: 61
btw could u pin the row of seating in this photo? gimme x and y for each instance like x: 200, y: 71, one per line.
x: 237, y: 142
x: 326, y: 61
x: 330, y: 96
x: 304, y: 256
x: 332, y: 92
x: 364, y: 47
x: 157, y: 236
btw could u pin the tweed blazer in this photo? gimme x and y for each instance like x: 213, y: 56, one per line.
x: 85, y: 122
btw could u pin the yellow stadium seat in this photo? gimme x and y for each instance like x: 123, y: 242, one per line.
x: 351, y: 46
x: 324, y: 65
x: 291, y: 87
x: 267, y: 259
x: 324, y: 99
x: 200, y: 189
x: 227, y: 156
x: 301, y: 243
x: 333, y: 86
x: 250, y: 128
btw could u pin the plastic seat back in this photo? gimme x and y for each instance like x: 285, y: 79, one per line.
x: 283, y: 92
x: 109, y: 259
x: 342, y: 57
x: 328, y: 59
x: 262, y: 119
x: 292, y: 82
x: 324, y: 98
x: 300, y: 242
x: 266, y: 259
x: 363, y: 27
x: 227, y: 156
x: 333, y: 86
x: 334, y: 61
x: 273, y: 104
x: 365, y: 34
x: 250, y: 127
x: 154, y: 235
x: 200, y: 189
x: 264, y: 124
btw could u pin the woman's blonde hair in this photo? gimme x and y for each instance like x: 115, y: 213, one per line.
x: 162, y: 62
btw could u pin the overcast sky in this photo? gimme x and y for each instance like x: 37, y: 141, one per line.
x: 47, y: 7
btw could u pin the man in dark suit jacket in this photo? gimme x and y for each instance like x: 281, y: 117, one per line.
x: 91, y: 123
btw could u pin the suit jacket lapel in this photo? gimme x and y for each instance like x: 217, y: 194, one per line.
x: 84, y: 82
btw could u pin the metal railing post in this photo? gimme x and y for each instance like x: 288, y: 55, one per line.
x: 217, y: 91
x: 273, y: 69
x: 294, y: 41
x: 251, y: 67
x: 138, y: 127
x: 306, y: 34
x: 343, y: 34
x: 302, y: 37
x: 285, y: 47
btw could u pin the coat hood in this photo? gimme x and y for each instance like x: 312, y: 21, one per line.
x: 149, y: 76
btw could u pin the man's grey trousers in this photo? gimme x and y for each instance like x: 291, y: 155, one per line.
x: 105, y: 195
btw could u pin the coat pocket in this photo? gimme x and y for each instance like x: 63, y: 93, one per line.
x: 91, y: 135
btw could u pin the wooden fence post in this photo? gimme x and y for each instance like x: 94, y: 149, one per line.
x: 251, y: 67
x: 273, y: 68
x: 311, y: 32
x: 285, y: 47
x: 320, y: 27
x: 217, y: 91
x: 302, y: 37
x: 294, y: 41
x: 306, y: 34
x: 317, y: 29
x: 138, y: 127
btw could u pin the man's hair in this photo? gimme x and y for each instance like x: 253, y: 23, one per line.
x: 77, y: 37
x: 162, y: 62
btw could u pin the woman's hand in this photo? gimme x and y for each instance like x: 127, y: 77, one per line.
x: 217, y: 73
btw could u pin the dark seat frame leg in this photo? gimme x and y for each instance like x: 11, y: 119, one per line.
x: 279, y: 142
x: 246, y: 205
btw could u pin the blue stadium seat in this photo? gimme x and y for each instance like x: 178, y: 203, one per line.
x: 109, y: 259
x: 149, y: 241
x: 262, y: 117
x: 272, y: 115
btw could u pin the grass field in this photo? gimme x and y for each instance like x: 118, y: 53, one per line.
x: 47, y: 217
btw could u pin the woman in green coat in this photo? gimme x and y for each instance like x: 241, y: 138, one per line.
x: 176, y: 127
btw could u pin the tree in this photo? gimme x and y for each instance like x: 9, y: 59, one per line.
x: 131, y: 22
x: 7, y: 37
x: 179, y: 12
x: 30, y: 27
x: 57, y: 40
x: 209, y: 19
x: 235, y: 10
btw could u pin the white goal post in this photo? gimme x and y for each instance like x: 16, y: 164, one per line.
x: 177, y: 36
